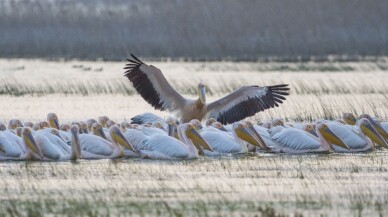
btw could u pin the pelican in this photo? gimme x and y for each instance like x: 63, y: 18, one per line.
x: 150, y: 83
x: 15, y: 148
x: 155, y: 144
x: 234, y: 142
x: 296, y: 141
x: 52, y: 147
x: 349, y: 119
x: 14, y: 123
x: 357, y: 141
x: 28, y: 124
x: 102, y: 120
x: 96, y: 147
x: 377, y: 126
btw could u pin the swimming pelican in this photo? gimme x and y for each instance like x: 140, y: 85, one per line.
x: 52, y: 147
x: 377, y: 126
x: 234, y: 142
x: 150, y: 83
x: 296, y: 141
x: 102, y: 120
x: 357, y: 141
x: 95, y: 147
x: 155, y: 144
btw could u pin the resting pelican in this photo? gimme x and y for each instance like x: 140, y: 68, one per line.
x: 150, y: 83
x: 377, y: 126
x: 28, y: 124
x: 52, y: 147
x: 296, y: 141
x: 357, y: 141
x: 15, y: 148
x: 155, y: 144
x: 95, y: 147
x: 234, y: 142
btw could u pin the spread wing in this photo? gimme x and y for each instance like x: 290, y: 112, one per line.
x: 150, y: 83
x: 246, y: 102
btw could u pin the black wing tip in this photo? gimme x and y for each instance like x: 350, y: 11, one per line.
x: 132, y: 65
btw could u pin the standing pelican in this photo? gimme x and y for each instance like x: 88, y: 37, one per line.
x: 150, y: 83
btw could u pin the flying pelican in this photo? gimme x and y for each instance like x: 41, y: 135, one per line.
x: 296, y: 141
x: 150, y: 83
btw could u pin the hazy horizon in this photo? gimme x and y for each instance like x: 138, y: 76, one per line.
x: 198, y: 30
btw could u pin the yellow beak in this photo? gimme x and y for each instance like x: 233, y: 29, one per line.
x: 31, y: 144
x: 333, y: 139
x: 197, y: 139
x: 372, y: 134
x: 257, y: 138
x: 119, y: 138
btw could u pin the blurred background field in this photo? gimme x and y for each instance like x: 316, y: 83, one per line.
x: 84, y: 89
x: 67, y: 57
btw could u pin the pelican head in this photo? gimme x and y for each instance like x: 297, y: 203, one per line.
x: 55, y: 132
x: 172, y: 127
x: 79, y: 126
x: 210, y: 121
x: 257, y: 135
x: 90, y: 122
x: 330, y: 136
x: 28, y: 124
x: 84, y: 127
x: 124, y: 125
x: 110, y: 123
x: 52, y: 119
x: 98, y: 131
x: 36, y: 126
x: 276, y: 122
x: 44, y: 124
x: 219, y: 126
x: 202, y: 92
x: 310, y: 129
x: 368, y: 129
x: 102, y: 120
x: 14, y: 123
x: 65, y: 127
x: 2, y: 127
x: 119, y: 138
x: 75, y: 143
x: 30, y: 142
x: 349, y: 118
x: 191, y: 133
x: 376, y: 125
x: 197, y: 124
x: 243, y: 132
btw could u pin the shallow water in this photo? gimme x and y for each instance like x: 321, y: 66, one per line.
x: 257, y: 184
